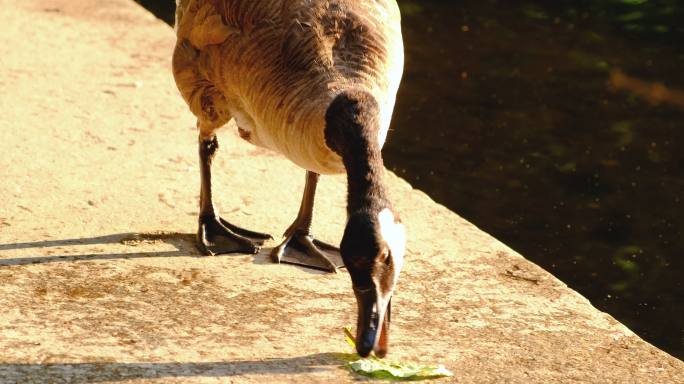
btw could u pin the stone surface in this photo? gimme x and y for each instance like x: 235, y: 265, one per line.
x: 100, y: 281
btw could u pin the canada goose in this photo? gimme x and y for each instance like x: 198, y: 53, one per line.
x: 315, y: 80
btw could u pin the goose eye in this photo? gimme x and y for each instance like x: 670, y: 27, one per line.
x: 385, y: 257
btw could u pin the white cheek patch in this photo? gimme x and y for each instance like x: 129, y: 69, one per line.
x: 394, y: 235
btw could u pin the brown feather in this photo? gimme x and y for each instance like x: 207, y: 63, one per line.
x: 276, y: 65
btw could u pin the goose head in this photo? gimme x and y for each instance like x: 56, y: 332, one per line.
x: 373, y: 252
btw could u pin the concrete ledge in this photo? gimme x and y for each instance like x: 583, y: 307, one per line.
x: 100, y: 281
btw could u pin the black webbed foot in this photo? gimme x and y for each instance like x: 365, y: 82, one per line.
x: 299, y: 248
x: 216, y: 236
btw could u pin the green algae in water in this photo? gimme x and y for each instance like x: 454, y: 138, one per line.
x: 386, y: 370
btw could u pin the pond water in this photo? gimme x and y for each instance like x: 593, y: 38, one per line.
x: 556, y: 126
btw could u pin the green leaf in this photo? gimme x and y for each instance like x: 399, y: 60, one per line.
x: 349, y: 337
x: 382, y: 369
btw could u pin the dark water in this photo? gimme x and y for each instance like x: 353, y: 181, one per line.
x: 508, y: 115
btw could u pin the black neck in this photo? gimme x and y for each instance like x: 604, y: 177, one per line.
x: 365, y: 172
x: 352, y: 129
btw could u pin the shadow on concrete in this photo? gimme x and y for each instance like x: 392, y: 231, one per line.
x: 183, y: 242
x: 87, y: 257
x: 81, y: 373
x: 180, y: 240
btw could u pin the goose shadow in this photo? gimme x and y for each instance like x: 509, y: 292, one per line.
x: 81, y: 373
x: 184, y: 244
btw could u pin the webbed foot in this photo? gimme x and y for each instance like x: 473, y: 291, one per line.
x: 299, y: 248
x: 216, y: 236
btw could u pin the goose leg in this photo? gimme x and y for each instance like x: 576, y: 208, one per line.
x: 215, y: 235
x: 299, y: 246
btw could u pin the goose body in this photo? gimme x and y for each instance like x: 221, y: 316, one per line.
x: 276, y: 65
x: 315, y: 80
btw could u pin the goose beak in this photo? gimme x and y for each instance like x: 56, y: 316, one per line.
x: 372, y: 331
